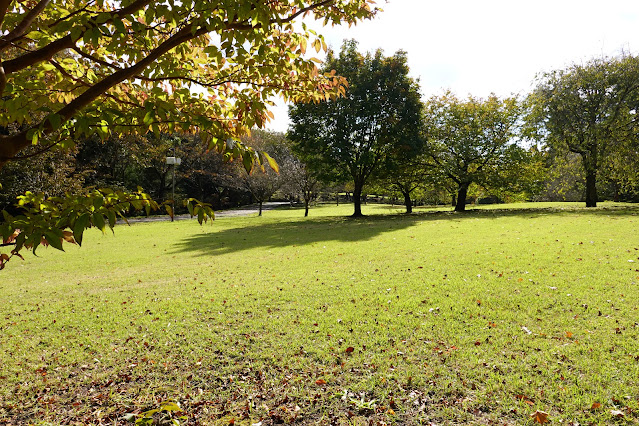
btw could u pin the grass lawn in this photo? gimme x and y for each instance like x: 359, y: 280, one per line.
x: 476, y: 318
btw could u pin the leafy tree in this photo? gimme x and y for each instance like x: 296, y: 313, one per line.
x: 299, y: 180
x: 263, y: 182
x: 89, y: 67
x: 52, y: 173
x: 406, y: 175
x: 590, y: 110
x: 471, y: 141
x: 352, y: 136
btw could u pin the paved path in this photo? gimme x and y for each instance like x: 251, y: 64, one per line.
x: 241, y: 211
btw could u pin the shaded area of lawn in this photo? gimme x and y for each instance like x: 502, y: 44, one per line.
x: 265, y: 233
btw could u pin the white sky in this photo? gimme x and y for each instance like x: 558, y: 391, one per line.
x: 482, y: 46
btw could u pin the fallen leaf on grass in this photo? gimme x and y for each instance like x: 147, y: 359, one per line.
x: 320, y: 382
x: 618, y: 414
x: 595, y: 405
x: 350, y: 349
x: 525, y: 399
x: 539, y: 417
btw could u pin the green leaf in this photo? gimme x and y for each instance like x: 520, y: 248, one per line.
x: 98, y: 202
x: 112, y: 218
x: 170, y: 406
x: 149, y: 118
x: 79, y: 226
x: 247, y: 161
x: 98, y: 221
x: 55, y: 120
x: 54, y: 240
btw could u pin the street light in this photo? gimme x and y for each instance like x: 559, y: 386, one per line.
x: 175, y: 161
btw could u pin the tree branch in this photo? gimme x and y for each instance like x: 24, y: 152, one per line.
x: 21, y: 29
x: 66, y: 42
x: 4, y: 6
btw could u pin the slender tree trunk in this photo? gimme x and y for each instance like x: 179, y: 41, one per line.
x: 453, y: 202
x: 357, y: 200
x: 260, y: 211
x: 591, y: 189
x: 408, y: 202
x: 462, y: 193
x: 306, y: 207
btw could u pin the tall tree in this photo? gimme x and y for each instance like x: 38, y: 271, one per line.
x: 379, y: 116
x: 591, y: 110
x: 471, y: 140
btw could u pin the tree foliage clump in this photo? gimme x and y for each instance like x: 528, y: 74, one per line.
x: 70, y: 69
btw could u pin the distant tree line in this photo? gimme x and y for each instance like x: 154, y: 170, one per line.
x: 574, y: 138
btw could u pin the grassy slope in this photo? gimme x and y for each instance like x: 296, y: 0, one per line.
x: 475, y: 318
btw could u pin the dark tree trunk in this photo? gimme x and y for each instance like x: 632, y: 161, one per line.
x: 260, y: 211
x: 462, y: 193
x: 453, y: 201
x: 591, y: 189
x: 408, y: 202
x: 357, y: 200
x: 306, y: 208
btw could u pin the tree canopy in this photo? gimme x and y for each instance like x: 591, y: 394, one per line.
x: 73, y: 68
x: 379, y: 116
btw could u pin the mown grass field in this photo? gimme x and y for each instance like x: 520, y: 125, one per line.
x: 476, y: 318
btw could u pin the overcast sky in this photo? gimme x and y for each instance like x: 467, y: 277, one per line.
x: 482, y: 46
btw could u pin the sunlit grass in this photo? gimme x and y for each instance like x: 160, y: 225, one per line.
x: 435, y: 317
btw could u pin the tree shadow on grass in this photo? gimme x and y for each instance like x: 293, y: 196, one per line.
x: 294, y: 232
x: 308, y: 231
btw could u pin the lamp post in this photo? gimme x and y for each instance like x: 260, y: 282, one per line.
x: 175, y: 161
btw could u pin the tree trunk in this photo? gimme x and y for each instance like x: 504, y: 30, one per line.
x: 260, y: 211
x: 357, y: 200
x: 12, y: 145
x: 462, y: 192
x: 306, y: 208
x: 591, y: 189
x: 453, y: 201
x: 408, y: 202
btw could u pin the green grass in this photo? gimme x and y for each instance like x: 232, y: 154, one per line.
x: 476, y: 318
